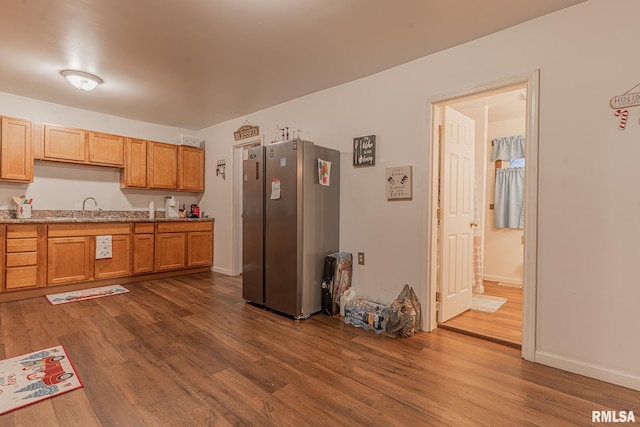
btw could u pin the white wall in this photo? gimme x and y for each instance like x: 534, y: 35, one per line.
x: 63, y: 185
x: 587, y: 314
x: 503, y: 247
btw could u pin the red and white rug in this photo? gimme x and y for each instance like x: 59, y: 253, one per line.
x: 84, y: 294
x: 36, y: 376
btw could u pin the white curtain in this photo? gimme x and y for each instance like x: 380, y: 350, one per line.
x: 509, y: 198
x: 508, y: 148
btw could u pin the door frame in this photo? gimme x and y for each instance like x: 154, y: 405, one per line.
x: 236, y: 201
x: 529, y: 292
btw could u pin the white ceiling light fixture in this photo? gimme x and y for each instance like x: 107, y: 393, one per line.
x: 81, y: 80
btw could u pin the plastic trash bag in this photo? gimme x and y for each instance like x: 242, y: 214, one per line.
x: 405, y: 314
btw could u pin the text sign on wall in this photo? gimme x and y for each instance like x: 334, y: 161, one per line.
x: 399, y: 183
x: 246, y: 132
x: 626, y: 100
x: 364, y: 151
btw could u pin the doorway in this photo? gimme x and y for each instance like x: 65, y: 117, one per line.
x: 446, y: 253
x: 496, y: 254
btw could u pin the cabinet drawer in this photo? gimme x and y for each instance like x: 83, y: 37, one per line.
x: 21, y: 277
x: 82, y: 230
x: 22, y: 259
x: 22, y: 231
x: 143, y: 228
x: 179, y: 226
x: 22, y: 245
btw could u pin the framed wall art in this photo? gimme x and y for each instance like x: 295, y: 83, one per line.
x: 364, y: 151
x: 399, y: 183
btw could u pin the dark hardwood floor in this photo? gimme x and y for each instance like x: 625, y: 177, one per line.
x: 503, y: 326
x: 188, y: 351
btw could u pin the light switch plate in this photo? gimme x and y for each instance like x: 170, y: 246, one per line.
x: 361, y: 258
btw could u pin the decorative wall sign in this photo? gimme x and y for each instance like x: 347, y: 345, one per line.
x: 623, y: 118
x: 220, y: 168
x: 246, y: 131
x: 625, y: 100
x: 620, y: 103
x: 364, y: 151
x: 399, y: 183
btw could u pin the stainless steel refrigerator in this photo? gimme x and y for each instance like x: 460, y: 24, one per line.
x: 290, y: 223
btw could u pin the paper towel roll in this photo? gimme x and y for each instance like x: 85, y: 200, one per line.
x: 152, y: 210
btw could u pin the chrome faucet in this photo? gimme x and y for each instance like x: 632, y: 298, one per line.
x: 85, y: 201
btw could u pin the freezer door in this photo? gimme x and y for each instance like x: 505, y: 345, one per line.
x: 283, y: 228
x: 321, y: 223
x: 253, y: 226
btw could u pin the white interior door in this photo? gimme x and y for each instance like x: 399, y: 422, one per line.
x: 457, y: 219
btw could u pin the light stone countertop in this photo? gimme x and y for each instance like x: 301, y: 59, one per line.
x: 56, y: 217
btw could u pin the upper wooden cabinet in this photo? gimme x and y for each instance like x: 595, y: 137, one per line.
x: 190, y: 168
x: 16, y: 140
x: 158, y: 165
x: 64, y: 144
x: 134, y: 174
x: 106, y: 149
x: 145, y: 164
x: 162, y: 165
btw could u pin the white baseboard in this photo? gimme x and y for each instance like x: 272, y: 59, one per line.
x: 588, y: 370
x: 225, y: 271
x: 515, y: 281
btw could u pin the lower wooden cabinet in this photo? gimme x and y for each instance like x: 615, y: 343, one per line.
x: 199, y: 248
x: 68, y: 260
x: 184, y: 244
x: 170, y: 251
x: 39, y: 255
x: 71, y: 251
x: 143, y: 248
x: 119, y: 264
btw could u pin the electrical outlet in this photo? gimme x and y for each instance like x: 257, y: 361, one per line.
x: 361, y: 258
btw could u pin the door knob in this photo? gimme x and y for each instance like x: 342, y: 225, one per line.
x: 473, y: 224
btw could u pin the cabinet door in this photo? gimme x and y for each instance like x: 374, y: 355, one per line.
x: 199, y: 248
x: 162, y: 165
x: 65, y: 144
x: 17, y: 150
x: 68, y: 260
x: 134, y: 174
x: 143, y: 253
x: 106, y: 149
x: 190, y: 168
x: 170, y: 251
x: 120, y: 262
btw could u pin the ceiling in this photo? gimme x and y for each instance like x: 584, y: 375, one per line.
x: 195, y: 63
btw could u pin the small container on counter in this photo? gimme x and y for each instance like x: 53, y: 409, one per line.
x: 23, y: 211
